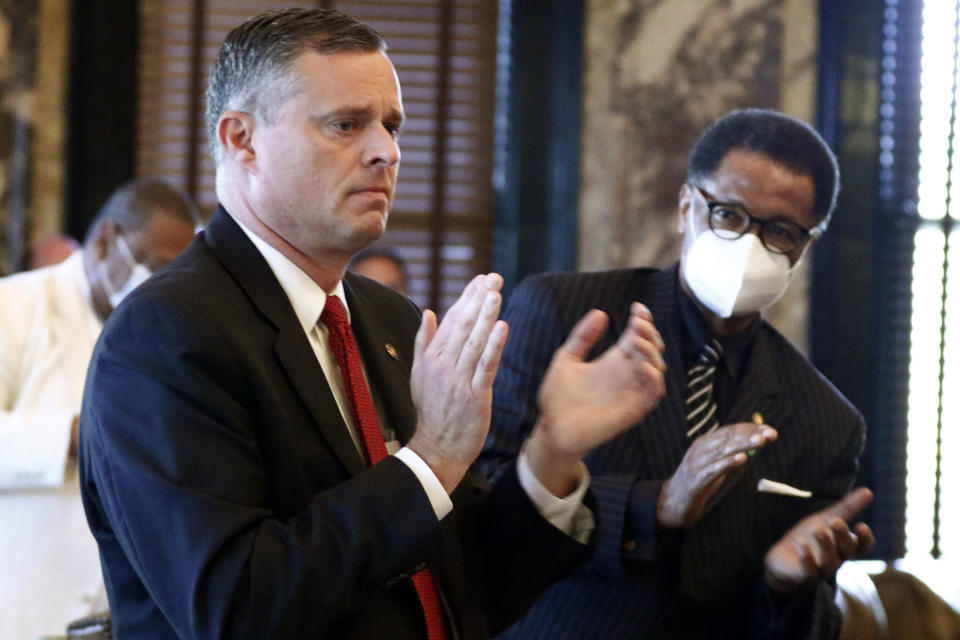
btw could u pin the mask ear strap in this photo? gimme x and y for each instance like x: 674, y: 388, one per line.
x: 691, y: 228
x: 125, y: 252
x: 814, y: 234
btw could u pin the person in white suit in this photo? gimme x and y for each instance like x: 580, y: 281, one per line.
x: 50, y: 319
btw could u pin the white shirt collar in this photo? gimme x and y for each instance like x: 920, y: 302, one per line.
x: 306, y: 296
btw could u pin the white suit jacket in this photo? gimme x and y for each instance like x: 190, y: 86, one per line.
x: 49, y: 567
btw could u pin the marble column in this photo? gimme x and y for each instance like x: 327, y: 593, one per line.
x: 33, y: 83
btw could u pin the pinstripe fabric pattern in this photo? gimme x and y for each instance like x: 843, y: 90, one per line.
x: 706, y: 581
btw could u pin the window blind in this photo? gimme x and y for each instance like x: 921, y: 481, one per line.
x: 445, y: 55
x: 897, y: 163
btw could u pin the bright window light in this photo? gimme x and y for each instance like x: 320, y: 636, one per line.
x: 939, y: 33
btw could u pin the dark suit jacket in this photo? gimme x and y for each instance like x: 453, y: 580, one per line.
x: 706, y: 581
x: 227, y: 497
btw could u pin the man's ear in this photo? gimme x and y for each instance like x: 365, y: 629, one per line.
x: 684, y: 205
x: 235, y: 133
x: 104, y: 236
x: 814, y: 239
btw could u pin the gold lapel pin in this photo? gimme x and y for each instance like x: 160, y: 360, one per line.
x: 391, y: 351
x: 757, y: 419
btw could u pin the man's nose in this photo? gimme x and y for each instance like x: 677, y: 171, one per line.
x: 382, y: 148
x: 756, y: 228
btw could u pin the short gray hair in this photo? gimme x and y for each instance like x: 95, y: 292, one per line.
x: 252, y: 70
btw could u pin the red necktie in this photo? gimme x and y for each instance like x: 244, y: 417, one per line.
x: 344, y: 348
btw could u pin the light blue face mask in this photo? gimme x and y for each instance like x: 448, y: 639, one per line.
x: 138, y: 275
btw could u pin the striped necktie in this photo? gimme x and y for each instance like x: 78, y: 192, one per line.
x: 701, y: 406
x: 343, y: 345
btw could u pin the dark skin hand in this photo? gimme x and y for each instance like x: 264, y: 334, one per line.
x: 817, y: 545
x: 812, y: 550
x: 703, y: 469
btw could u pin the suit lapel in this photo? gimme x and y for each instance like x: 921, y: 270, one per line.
x: 295, y: 354
x: 653, y: 448
x: 662, y: 302
x: 758, y: 390
x: 756, y: 393
x: 292, y: 348
x: 386, y: 358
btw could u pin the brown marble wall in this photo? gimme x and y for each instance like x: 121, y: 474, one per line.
x: 657, y: 73
x: 33, y: 63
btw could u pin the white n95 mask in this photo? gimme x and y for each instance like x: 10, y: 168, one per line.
x: 735, y: 277
x: 138, y: 275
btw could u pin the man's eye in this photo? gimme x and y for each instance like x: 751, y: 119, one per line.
x: 344, y: 125
x: 726, y: 217
x: 780, y: 230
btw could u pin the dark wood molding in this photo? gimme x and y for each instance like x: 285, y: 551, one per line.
x: 537, y: 173
x: 102, y: 106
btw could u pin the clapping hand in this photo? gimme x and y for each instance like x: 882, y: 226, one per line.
x: 817, y: 545
x: 703, y: 469
x: 452, y: 379
x: 584, y: 404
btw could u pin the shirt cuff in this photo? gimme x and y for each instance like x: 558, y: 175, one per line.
x: 568, y: 514
x: 439, y: 500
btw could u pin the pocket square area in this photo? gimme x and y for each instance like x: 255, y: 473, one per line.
x: 771, y: 486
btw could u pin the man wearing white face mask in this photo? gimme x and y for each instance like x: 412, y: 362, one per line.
x: 50, y: 319
x: 138, y: 274
x: 724, y: 513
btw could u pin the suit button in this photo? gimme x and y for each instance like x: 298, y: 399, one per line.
x: 628, y: 545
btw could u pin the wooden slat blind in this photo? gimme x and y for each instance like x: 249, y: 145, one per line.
x: 445, y: 55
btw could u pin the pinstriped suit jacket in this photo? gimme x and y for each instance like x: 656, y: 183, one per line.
x: 705, y: 581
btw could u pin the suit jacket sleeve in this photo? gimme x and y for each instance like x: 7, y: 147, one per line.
x: 537, y: 329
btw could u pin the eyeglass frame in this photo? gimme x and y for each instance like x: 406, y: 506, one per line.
x: 808, y: 234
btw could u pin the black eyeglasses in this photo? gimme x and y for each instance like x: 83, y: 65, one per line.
x: 730, y: 221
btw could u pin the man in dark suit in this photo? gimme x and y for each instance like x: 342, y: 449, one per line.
x: 707, y: 531
x: 272, y: 448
